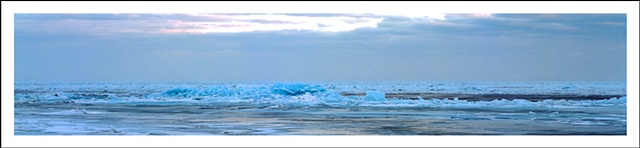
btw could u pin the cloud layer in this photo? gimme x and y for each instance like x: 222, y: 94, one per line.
x: 400, y: 46
x: 208, y: 23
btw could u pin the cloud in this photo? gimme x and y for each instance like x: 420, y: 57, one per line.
x: 230, y: 23
x: 111, y: 24
x: 106, y: 24
x: 204, y: 44
x: 90, y: 24
x: 416, y: 15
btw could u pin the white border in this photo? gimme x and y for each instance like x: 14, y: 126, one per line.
x: 9, y: 8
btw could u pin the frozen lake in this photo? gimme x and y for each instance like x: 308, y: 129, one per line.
x: 331, y: 108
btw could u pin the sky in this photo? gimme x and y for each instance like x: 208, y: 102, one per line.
x: 319, y: 47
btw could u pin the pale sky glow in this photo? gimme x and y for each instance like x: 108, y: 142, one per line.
x: 404, y: 46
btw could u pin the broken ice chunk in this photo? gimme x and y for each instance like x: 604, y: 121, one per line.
x: 374, y: 96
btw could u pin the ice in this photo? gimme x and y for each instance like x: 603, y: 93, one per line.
x: 582, y: 88
x: 314, y: 107
x: 68, y: 112
x: 284, y: 89
x: 306, y: 97
x: 326, y: 93
x: 62, y: 95
x: 114, y: 130
x: 374, y: 96
x: 186, y: 92
x: 217, y: 90
x: 293, y: 89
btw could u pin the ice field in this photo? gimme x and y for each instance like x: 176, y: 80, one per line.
x: 326, y: 108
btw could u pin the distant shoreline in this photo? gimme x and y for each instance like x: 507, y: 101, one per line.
x: 489, y: 97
